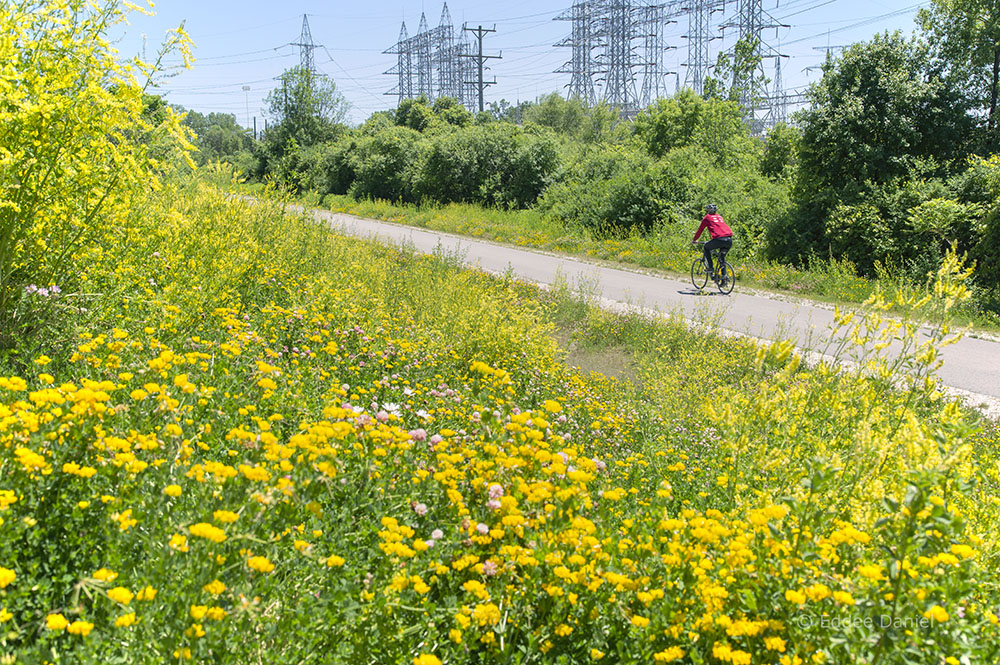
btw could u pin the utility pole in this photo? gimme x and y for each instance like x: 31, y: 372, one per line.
x: 480, y: 59
x: 246, y: 93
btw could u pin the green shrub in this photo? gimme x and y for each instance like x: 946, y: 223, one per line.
x: 383, y: 164
x: 687, y: 119
x: 749, y: 202
x: 294, y: 167
x: 781, y: 151
x: 496, y: 165
x: 862, y: 234
x: 333, y: 171
x: 610, y: 191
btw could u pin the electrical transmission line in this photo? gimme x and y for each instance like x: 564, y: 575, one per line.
x: 749, y: 80
x: 615, y: 42
x: 404, y: 66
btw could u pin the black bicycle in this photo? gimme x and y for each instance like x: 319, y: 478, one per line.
x: 724, y: 276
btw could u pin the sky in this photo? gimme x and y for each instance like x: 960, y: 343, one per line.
x: 248, y: 44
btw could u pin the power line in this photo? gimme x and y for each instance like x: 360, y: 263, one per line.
x: 859, y: 24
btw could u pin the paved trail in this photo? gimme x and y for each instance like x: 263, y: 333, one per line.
x: 971, y: 366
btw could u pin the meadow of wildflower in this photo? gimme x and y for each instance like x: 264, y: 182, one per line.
x: 229, y: 435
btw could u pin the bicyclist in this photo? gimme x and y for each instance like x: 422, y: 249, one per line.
x: 722, y: 235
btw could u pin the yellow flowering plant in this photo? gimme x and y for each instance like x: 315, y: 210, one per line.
x: 75, y: 144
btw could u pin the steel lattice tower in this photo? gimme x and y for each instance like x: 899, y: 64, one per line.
x: 444, y: 56
x: 618, y: 31
x: 423, y: 54
x: 653, y: 22
x: 751, y: 86
x: 612, y: 28
x: 433, y: 63
x: 700, y: 36
x: 306, y: 46
x: 465, y: 70
x: 582, y: 65
x: 404, y: 66
x: 778, y: 107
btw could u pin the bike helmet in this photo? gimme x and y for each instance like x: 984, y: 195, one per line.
x: 711, y: 209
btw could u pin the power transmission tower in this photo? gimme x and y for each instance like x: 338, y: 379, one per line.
x: 306, y: 47
x: 434, y: 63
x: 830, y: 50
x: 424, y: 60
x: 654, y: 19
x: 404, y: 66
x: 751, y: 83
x: 777, y: 110
x: 582, y: 40
x: 444, y: 56
x: 612, y: 28
x: 618, y: 30
x: 465, y: 67
x: 480, y: 60
x: 700, y: 35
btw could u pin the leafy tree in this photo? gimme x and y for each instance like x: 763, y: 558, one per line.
x: 378, y: 121
x: 333, y: 171
x: 687, y: 119
x: 880, y: 117
x: 305, y: 108
x: 504, y: 111
x: 611, y: 191
x: 451, y: 112
x: 780, y: 151
x: 875, y: 113
x: 572, y: 117
x: 419, y: 114
x: 743, y: 69
x: 217, y: 135
x: 494, y: 164
x: 383, y: 164
x: 563, y: 115
x: 978, y: 187
x: 415, y: 113
x: 965, y: 35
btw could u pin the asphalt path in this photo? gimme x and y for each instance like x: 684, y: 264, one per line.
x: 971, y: 366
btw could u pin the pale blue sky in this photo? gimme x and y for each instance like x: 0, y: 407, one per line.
x: 248, y: 44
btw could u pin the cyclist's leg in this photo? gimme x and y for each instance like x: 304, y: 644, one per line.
x: 709, y: 246
x: 725, y: 244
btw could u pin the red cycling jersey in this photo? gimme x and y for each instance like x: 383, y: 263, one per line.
x: 717, y: 228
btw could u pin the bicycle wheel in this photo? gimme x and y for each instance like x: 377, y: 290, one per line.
x: 727, y: 278
x: 699, y: 274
